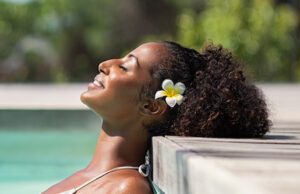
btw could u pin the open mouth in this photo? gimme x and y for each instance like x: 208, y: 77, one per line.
x: 98, y: 83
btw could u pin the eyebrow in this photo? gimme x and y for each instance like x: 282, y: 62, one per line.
x: 137, y: 60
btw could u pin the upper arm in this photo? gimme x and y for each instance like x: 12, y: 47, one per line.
x: 133, y: 185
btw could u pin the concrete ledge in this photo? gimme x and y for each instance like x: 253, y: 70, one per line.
x: 247, y: 176
x: 42, y: 96
x: 164, y: 156
x: 283, y: 103
x: 192, y: 165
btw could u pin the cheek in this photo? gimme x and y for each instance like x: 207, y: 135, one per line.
x: 124, y: 90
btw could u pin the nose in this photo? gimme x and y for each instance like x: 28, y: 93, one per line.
x: 106, y: 66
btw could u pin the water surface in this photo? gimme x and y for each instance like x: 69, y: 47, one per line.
x: 32, y: 160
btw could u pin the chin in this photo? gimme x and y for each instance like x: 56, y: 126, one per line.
x: 89, y: 100
x: 84, y: 98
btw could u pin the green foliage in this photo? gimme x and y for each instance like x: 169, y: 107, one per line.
x: 64, y: 41
x: 258, y: 32
x: 81, y: 33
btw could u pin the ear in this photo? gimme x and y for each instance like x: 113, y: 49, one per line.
x: 156, y: 107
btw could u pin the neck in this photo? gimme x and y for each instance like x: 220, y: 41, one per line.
x: 119, y: 148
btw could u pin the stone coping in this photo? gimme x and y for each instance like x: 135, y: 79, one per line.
x: 193, y: 165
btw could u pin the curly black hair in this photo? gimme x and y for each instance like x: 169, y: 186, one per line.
x: 218, y: 102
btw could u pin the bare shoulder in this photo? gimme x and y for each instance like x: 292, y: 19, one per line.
x: 133, y: 184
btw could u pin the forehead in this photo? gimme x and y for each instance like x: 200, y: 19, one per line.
x: 150, y: 54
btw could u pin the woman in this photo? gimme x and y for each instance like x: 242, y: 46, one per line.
x: 162, y: 89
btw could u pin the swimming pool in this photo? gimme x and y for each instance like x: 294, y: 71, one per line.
x: 31, y: 161
x: 32, y: 158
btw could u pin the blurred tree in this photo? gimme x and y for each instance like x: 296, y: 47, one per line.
x: 295, y: 66
x: 258, y: 32
x: 83, y: 33
x: 62, y: 41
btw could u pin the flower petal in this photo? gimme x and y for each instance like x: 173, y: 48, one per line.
x: 160, y: 94
x: 171, y: 101
x: 179, y: 99
x: 180, y: 87
x: 167, y: 83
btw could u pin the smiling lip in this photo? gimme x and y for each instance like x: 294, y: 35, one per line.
x: 97, y: 83
x: 92, y: 85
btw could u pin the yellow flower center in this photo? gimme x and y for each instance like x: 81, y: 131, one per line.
x: 171, y: 92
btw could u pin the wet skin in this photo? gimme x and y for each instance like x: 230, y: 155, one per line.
x: 123, y: 139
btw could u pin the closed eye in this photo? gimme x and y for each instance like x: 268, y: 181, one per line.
x: 123, y: 68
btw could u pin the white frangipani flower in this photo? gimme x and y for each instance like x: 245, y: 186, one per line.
x: 172, y: 92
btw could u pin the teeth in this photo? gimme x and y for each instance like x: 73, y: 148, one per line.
x: 96, y: 83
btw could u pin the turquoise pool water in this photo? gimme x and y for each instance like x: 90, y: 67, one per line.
x: 31, y: 160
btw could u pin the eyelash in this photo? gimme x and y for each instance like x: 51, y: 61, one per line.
x: 123, y: 68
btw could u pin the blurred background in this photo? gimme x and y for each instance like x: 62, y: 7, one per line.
x: 50, y: 50
x: 64, y: 41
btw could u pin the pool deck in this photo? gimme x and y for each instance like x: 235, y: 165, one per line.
x: 42, y: 96
x: 192, y: 165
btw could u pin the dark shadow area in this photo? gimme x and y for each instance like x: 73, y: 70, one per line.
x: 21, y: 119
x: 279, y: 137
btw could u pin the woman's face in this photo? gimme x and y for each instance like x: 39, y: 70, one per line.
x: 115, y: 90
